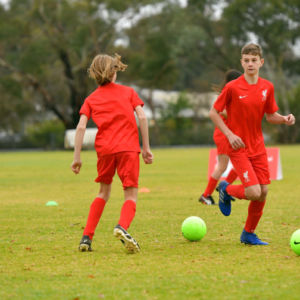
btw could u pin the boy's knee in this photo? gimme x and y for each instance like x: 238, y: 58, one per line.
x: 264, y: 193
x: 253, y: 196
x: 104, y: 195
x: 130, y: 193
x: 253, y: 193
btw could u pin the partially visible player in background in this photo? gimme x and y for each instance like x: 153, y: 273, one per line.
x: 222, y: 145
x: 112, y: 108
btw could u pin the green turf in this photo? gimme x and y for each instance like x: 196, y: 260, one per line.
x: 39, y: 257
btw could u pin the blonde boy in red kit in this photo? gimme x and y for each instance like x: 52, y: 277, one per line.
x: 112, y: 107
x: 247, y: 100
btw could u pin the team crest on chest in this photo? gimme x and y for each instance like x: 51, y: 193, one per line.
x: 264, y: 94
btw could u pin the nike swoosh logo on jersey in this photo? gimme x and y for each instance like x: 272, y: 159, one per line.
x: 243, y: 96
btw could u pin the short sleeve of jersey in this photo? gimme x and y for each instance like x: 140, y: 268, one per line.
x: 271, y: 106
x: 86, y: 109
x: 135, y: 100
x: 223, y: 99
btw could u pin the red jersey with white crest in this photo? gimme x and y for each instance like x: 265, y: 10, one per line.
x: 246, y: 105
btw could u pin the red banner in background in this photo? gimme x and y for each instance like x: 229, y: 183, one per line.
x: 273, y: 159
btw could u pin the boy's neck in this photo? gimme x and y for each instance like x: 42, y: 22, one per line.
x: 251, y: 79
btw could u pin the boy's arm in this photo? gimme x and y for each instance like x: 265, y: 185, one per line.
x: 147, y: 154
x: 276, y: 118
x: 80, y: 130
x: 234, y: 140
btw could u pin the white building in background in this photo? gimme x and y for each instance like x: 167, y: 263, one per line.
x: 88, y: 139
x: 201, y: 102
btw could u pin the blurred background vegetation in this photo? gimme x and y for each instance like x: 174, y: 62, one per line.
x: 170, y: 45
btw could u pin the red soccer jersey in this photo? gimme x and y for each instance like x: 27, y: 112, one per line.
x: 112, y: 109
x: 246, y: 105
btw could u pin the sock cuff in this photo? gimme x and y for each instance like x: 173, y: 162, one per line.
x: 258, y: 204
x: 130, y: 202
x: 101, y: 201
x: 213, y: 179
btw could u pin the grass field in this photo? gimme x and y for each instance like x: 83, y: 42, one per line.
x: 39, y: 257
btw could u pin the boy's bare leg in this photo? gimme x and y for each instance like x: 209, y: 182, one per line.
x: 256, y: 192
x: 127, y: 215
x: 130, y: 193
x: 104, y: 192
x: 223, y: 160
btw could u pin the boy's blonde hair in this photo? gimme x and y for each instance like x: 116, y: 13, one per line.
x: 253, y: 49
x: 104, y: 67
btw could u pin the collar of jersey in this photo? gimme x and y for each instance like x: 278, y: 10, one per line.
x: 244, y: 85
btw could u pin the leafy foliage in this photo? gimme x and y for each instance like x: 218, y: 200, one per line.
x: 47, y: 135
x: 47, y: 46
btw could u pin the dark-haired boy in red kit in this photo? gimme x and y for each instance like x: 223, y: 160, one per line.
x: 112, y: 107
x: 247, y: 100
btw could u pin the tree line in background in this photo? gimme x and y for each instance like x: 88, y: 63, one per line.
x: 46, y: 48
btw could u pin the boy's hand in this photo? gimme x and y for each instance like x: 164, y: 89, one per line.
x: 147, y: 156
x: 236, y: 142
x: 75, y: 166
x: 289, y: 120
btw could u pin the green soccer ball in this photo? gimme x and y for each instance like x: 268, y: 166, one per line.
x: 193, y: 229
x: 295, y: 242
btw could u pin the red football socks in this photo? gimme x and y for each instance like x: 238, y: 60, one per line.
x: 237, y: 191
x: 212, y: 183
x: 255, y: 211
x: 231, y: 177
x: 95, y: 213
x: 127, y: 214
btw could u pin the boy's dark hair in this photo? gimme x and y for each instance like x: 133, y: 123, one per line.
x: 253, y: 49
x: 104, y: 67
x: 229, y: 76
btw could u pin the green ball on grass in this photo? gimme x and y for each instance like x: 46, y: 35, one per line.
x: 295, y: 242
x: 193, y: 229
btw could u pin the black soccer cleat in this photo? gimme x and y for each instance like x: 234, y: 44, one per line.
x: 129, y: 242
x: 209, y: 200
x: 85, y: 244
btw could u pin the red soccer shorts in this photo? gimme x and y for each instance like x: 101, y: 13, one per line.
x: 127, y: 165
x: 251, y: 170
x: 222, y: 146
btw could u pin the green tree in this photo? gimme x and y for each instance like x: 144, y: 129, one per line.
x: 47, y: 47
x: 149, y: 55
x: 173, y: 115
x: 290, y: 134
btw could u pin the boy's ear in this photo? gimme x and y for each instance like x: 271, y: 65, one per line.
x: 262, y: 61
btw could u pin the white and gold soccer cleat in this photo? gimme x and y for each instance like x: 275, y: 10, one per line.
x: 129, y: 242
